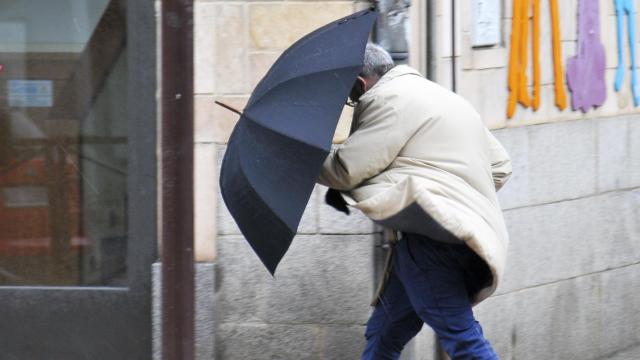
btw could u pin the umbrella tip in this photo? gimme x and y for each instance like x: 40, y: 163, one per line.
x: 271, y: 266
x: 272, y: 272
x: 228, y: 107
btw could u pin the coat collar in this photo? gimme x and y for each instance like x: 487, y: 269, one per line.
x: 366, y: 99
x: 397, y: 71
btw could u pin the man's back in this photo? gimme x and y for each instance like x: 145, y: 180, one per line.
x: 420, y: 161
x: 416, y: 145
x: 443, y: 138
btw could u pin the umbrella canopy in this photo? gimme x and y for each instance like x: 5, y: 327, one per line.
x: 277, y: 148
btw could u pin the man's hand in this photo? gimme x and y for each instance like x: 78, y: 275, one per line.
x: 335, y: 200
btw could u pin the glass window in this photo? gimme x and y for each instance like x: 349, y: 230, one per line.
x: 63, y: 143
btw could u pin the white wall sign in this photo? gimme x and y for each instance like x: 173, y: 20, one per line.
x: 25, y: 196
x: 30, y: 93
x: 486, y: 22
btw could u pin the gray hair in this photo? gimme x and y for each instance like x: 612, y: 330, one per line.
x: 377, y: 61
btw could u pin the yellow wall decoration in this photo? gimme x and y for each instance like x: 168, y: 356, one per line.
x: 518, y: 56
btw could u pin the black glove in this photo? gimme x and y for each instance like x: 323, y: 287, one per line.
x: 335, y: 200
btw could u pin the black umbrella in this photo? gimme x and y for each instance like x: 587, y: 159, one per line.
x: 278, y: 146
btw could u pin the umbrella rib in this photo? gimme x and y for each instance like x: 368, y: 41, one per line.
x: 285, y: 135
x: 250, y: 180
x: 245, y: 232
x: 253, y: 190
x: 298, y: 77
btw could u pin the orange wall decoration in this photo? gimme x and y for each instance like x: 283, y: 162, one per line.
x: 518, y: 56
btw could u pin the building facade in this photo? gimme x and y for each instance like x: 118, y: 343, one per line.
x: 571, y: 206
x: 79, y: 180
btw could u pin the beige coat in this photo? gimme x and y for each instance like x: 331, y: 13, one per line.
x: 416, y: 145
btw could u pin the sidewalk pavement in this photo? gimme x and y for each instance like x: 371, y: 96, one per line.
x: 631, y: 353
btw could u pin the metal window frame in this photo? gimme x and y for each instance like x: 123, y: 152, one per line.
x: 78, y: 322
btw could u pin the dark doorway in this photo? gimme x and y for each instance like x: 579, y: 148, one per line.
x: 77, y: 178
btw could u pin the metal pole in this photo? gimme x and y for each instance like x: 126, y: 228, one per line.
x: 454, y: 77
x: 177, y: 180
x: 431, y: 34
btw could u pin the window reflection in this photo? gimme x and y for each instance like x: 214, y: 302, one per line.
x: 63, y: 142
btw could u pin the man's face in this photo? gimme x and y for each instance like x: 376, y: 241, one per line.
x: 359, y: 88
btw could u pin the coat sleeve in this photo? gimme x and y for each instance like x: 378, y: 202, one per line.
x: 500, y: 161
x: 369, y: 150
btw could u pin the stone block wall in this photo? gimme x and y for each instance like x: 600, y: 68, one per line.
x: 573, y: 269
x: 571, y: 206
x: 314, y: 308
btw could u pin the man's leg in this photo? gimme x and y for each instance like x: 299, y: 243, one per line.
x: 435, y: 278
x: 392, y: 324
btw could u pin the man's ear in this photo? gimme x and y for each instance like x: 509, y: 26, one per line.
x: 361, y: 82
x: 359, y: 87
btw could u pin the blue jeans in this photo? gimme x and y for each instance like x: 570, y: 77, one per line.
x: 431, y: 282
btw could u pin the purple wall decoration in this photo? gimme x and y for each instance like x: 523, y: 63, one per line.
x: 625, y: 7
x: 585, y: 71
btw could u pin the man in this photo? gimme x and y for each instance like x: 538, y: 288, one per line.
x: 420, y: 160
